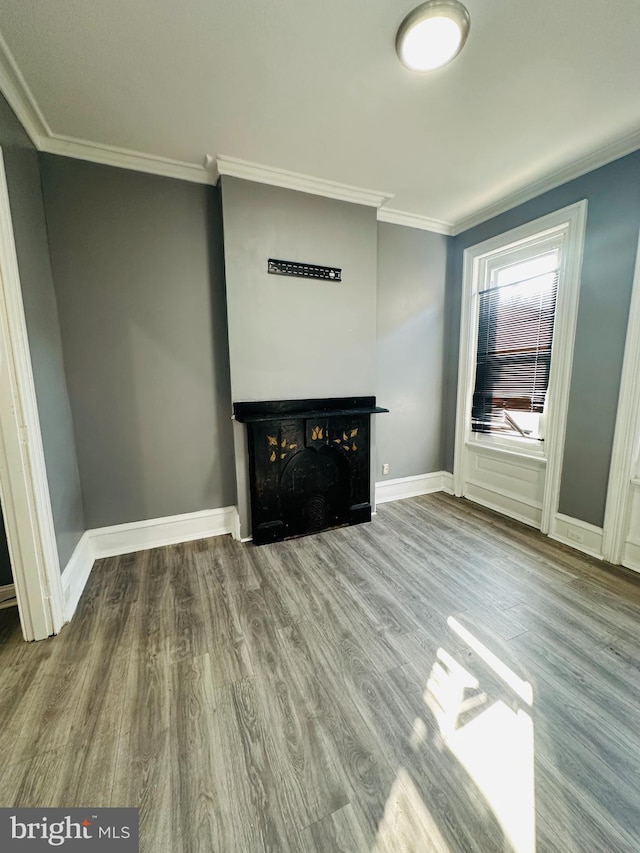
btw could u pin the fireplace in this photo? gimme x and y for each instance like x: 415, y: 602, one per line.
x: 309, y: 464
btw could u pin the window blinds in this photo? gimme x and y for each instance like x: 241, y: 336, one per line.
x: 515, y: 333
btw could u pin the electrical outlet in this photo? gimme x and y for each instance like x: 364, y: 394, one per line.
x: 385, y: 468
x: 575, y: 535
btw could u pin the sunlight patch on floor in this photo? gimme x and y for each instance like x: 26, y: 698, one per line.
x: 517, y: 684
x: 494, y: 742
x: 491, y: 738
x: 496, y: 750
x: 407, y: 824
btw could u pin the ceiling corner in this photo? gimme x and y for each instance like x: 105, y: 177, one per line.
x: 15, y: 89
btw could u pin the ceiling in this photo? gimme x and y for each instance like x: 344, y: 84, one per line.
x: 542, y: 90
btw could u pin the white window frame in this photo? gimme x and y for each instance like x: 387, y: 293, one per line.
x: 567, y: 226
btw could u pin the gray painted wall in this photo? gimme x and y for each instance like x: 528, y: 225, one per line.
x: 289, y: 337
x: 138, y: 270
x: 411, y: 319
x: 41, y: 313
x: 613, y: 220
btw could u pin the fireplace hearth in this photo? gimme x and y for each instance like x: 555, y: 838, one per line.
x: 309, y: 464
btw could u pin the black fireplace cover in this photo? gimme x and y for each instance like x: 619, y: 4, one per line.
x: 309, y: 464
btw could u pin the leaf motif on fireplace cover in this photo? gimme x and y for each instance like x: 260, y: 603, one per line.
x: 292, y: 446
x: 354, y: 432
x: 283, y: 443
x: 317, y: 433
x: 282, y: 455
x: 354, y: 447
x: 272, y: 458
x: 272, y: 441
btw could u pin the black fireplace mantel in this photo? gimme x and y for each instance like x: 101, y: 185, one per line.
x: 309, y: 464
x: 274, y: 410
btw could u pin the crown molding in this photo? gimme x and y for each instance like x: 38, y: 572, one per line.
x: 124, y: 158
x: 295, y: 181
x: 613, y: 151
x: 19, y: 97
x: 21, y: 100
x: 414, y: 220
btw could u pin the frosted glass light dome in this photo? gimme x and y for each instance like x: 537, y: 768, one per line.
x: 432, y: 35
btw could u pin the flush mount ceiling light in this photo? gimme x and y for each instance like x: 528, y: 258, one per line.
x: 432, y: 35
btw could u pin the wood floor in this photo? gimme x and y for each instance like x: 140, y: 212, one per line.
x: 440, y: 679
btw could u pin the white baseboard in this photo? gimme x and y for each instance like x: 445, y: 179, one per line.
x: 7, y: 596
x: 76, y: 574
x: 447, y: 482
x: 140, y: 536
x: 411, y: 487
x: 631, y: 554
x: 156, y: 532
x: 577, y: 534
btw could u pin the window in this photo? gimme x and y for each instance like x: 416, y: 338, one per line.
x: 517, y: 328
x: 516, y: 313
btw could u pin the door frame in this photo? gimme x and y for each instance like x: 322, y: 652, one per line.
x: 625, y: 450
x: 24, y: 489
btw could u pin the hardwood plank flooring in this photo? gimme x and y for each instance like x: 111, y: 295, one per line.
x: 442, y: 679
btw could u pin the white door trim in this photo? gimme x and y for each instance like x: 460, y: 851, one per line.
x: 626, y: 434
x: 573, y: 220
x: 24, y: 489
